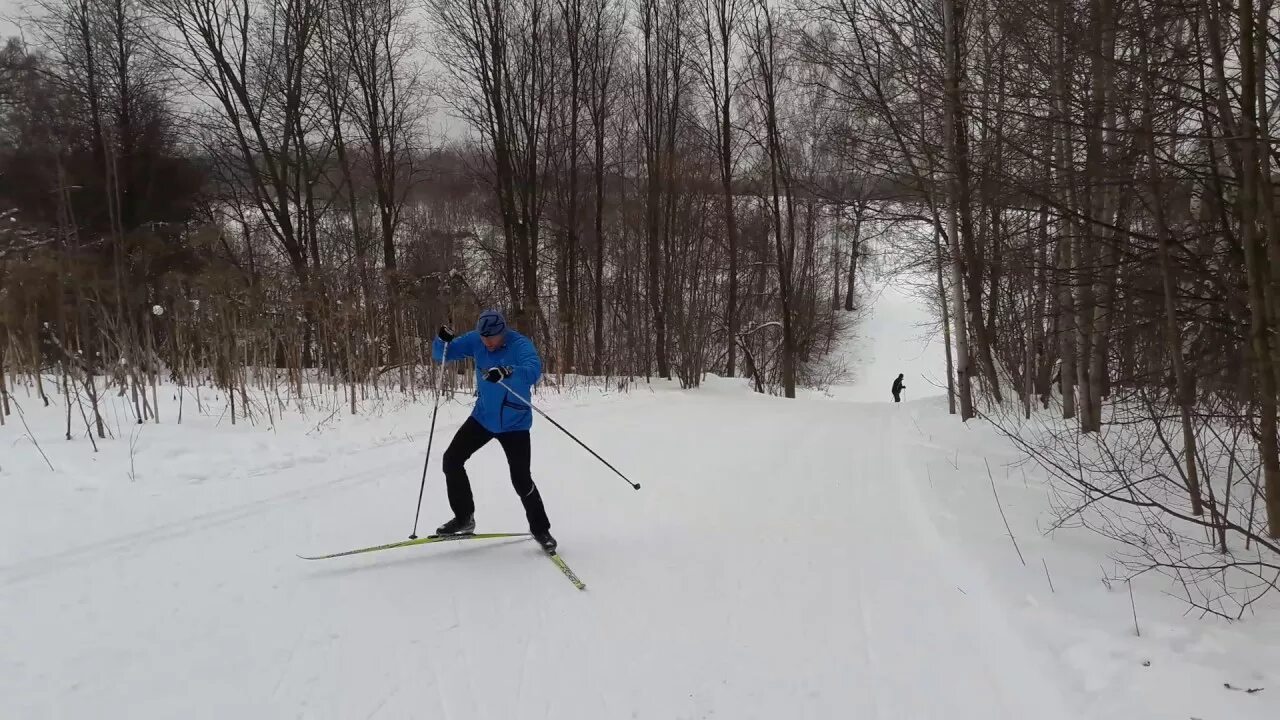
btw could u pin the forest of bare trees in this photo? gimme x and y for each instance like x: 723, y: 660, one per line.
x: 266, y: 175
x: 1098, y: 178
x: 194, y: 190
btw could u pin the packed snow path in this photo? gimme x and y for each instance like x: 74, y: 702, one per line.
x: 828, y: 557
x: 779, y: 562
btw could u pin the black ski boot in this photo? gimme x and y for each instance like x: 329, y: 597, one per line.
x: 547, y: 542
x: 458, y: 526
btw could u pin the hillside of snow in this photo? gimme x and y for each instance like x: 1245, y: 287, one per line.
x: 837, y: 556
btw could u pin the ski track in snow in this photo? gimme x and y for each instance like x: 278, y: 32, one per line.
x: 782, y: 561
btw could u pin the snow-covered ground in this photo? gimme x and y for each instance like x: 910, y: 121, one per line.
x: 817, y: 558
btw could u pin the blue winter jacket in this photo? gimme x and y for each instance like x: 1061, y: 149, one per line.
x: 496, y: 409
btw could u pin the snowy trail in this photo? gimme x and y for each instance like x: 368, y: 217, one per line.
x: 897, y: 335
x: 780, y: 562
x: 836, y: 556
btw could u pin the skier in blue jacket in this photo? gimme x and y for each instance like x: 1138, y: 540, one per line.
x: 501, y: 355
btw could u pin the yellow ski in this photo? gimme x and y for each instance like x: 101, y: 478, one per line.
x: 417, y: 541
x: 559, y: 561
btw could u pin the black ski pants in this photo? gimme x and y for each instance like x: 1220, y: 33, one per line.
x: 471, y: 437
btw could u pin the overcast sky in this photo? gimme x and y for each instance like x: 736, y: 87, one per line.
x: 441, y: 125
x: 7, y: 8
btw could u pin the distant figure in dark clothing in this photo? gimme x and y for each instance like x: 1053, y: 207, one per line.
x: 897, y: 388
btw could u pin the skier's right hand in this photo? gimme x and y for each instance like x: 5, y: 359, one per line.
x: 445, y: 334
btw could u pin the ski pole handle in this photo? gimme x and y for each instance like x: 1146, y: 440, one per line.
x: 523, y: 399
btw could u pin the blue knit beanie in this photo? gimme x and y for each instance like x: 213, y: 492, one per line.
x: 491, y: 323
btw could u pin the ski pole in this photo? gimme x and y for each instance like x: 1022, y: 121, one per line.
x: 430, y: 436
x: 634, y: 486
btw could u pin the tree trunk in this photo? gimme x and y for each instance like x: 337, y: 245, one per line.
x: 656, y: 84
x: 724, y: 22
x: 1098, y: 215
x: 1064, y: 277
x: 953, y: 17
x: 567, y: 260
x: 1172, y: 333
x: 784, y: 256
x: 731, y: 227
x: 946, y: 321
x: 1044, y: 367
x: 854, y: 250
x: 654, y: 275
x: 4, y: 390
x: 1257, y: 269
x: 836, y: 270
x: 597, y: 357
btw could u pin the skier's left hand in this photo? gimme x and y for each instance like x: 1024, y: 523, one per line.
x: 498, y: 373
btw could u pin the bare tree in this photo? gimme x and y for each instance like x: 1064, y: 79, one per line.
x: 573, y: 24
x: 763, y: 44
x: 386, y: 109
x: 664, y: 79
x: 250, y: 59
x: 605, y: 28
x: 956, y: 134
x: 720, y: 20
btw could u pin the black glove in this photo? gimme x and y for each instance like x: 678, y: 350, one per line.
x: 498, y: 373
x: 445, y: 334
